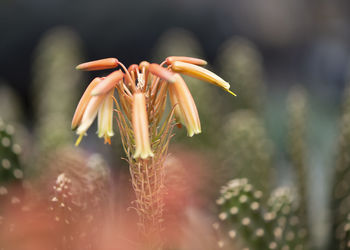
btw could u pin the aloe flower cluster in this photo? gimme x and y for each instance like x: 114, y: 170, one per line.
x: 140, y: 105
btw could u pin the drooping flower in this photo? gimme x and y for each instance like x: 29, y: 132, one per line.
x: 187, y: 110
x: 142, y: 91
x: 105, y: 118
x: 84, y: 100
x: 140, y: 127
x: 89, y: 115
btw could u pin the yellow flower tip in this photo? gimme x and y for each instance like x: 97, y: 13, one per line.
x: 107, y: 63
x: 79, y: 139
x: 140, y: 127
x: 83, y: 103
x: 230, y: 92
x: 200, y: 73
x: 193, y: 131
x: 171, y: 59
x: 108, y: 83
x: 161, y: 72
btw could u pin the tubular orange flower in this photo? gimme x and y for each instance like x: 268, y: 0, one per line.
x: 171, y: 59
x: 140, y: 127
x: 200, y: 73
x: 108, y: 83
x: 187, y: 106
x: 105, y: 118
x: 84, y: 100
x: 107, y: 63
x: 89, y: 116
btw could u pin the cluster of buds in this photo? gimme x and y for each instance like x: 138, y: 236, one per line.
x: 142, y: 93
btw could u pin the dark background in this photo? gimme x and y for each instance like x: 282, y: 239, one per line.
x: 303, y: 41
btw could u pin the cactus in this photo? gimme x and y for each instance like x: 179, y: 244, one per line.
x: 240, y: 64
x: 77, y: 189
x: 182, y: 42
x: 341, y: 188
x: 289, y: 232
x: 11, y: 171
x: 296, y: 143
x: 244, y: 221
x: 55, y: 86
x: 10, y: 107
x: 344, y: 234
x: 246, y: 150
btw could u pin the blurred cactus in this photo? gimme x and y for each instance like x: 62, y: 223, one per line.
x: 246, y: 224
x: 77, y: 188
x: 181, y: 42
x: 296, y: 143
x: 240, y: 64
x: 341, y: 183
x: 344, y: 234
x: 246, y: 150
x: 56, y: 86
x: 289, y: 231
x: 11, y: 170
x: 10, y: 106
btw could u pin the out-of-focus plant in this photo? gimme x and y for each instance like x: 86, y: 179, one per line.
x: 297, y: 109
x: 10, y: 106
x: 240, y: 63
x: 55, y: 86
x: 142, y: 93
x: 11, y: 172
x: 340, y: 200
x: 76, y: 189
x: 245, y: 222
x: 247, y: 151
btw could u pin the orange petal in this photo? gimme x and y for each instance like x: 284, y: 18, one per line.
x: 161, y: 72
x: 201, y: 73
x: 171, y: 59
x: 107, y: 63
x: 108, y: 83
x: 84, y: 100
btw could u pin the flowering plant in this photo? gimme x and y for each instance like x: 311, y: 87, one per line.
x: 140, y: 105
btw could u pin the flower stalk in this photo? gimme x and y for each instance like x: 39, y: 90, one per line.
x: 139, y: 105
